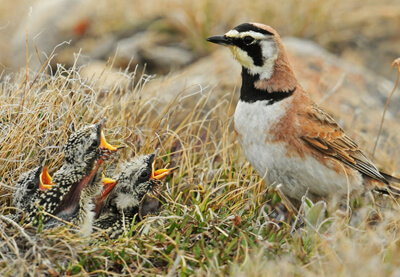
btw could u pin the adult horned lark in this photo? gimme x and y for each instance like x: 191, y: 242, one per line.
x: 287, y: 138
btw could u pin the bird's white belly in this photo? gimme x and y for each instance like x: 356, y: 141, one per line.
x: 297, y: 176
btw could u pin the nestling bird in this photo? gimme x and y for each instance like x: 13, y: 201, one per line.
x: 287, y: 138
x: 28, y: 187
x: 84, y: 213
x: 85, y: 151
x: 120, y: 203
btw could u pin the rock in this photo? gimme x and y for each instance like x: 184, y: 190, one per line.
x: 154, y: 50
x: 51, y: 25
x: 168, y: 56
x: 101, y: 72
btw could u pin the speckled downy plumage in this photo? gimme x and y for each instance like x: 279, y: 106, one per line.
x: 76, y: 182
x: 27, y: 189
x: 83, y: 213
x: 121, y: 206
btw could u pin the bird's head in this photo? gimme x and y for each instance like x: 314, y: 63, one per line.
x: 255, y: 46
x: 87, y: 145
x: 137, y: 177
x: 260, y: 51
x: 29, y: 185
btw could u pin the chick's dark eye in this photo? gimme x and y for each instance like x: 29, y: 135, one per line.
x: 95, y: 143
x: 31, y: 186
x: 248, y: 40
x: 144, y: 174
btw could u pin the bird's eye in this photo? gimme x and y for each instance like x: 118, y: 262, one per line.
x: 248, y: 40
x: 31, y: 186
x: 95, y: 143
x: 144, y: 174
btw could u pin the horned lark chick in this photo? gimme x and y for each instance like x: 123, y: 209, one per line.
x: 28, y: 187
x: 85, y: 151
x: 120, y: 203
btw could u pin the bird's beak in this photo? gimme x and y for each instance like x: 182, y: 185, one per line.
x: 45, y: 180
x: 160, y: 173
x: 105, y: 145
x: 109, y: 184
x: 221, y: 40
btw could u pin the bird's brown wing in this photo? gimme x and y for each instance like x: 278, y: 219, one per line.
x: 320, y: 131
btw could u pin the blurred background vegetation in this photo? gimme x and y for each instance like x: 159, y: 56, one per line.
x: 170, y: 34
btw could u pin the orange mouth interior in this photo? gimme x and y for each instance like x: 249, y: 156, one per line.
x: 70, y: 201
x: 45, y: 180
x: 109, y: 184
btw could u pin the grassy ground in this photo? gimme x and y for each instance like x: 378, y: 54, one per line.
x: 217, y: 217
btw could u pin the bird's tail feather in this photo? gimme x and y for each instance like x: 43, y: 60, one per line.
x: 390, y: 178
x: 390, y: 189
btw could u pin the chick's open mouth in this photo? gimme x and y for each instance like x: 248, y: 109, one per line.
x: 70, y: 202
x: 104, y: 145
x: 160, y: 173
x: 45, y: 180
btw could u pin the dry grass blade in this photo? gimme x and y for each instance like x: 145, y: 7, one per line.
x: 396, y: 63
